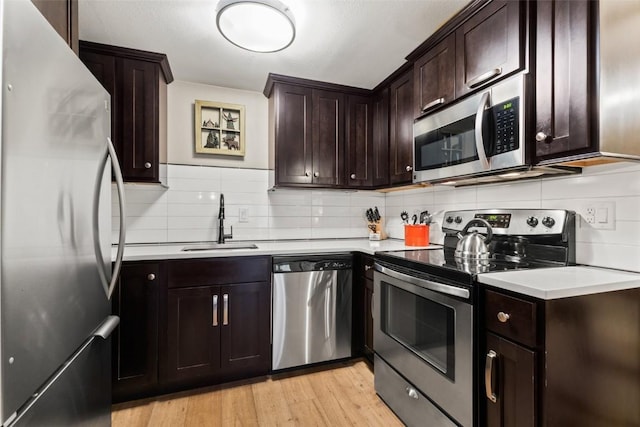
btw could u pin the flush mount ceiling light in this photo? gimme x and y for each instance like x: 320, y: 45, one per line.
x: 256, y: 25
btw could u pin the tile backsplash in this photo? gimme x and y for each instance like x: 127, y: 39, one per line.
x: 187, y: 211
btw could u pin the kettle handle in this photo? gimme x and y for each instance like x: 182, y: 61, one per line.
x: 481, y: 222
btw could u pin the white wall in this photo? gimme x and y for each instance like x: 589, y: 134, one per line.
x: 181, y: 122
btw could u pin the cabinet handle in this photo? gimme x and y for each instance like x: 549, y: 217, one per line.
x: 542, y: 137
x: 353, y: 176
x: 215, y: 310
x: 316, y: 174
x: 147, y: 165
x: 307, y: 174
x: 484, y: 77
x: 432, y: 104
x: 225, y: 309
x: 409, y: 168
x: 488, y: 376
x: 151, y: 276
x: 412, y: 393
x: 368, y: 267
x: 503, y: 317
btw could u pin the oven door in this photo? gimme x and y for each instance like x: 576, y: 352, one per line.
x: 424, y: 330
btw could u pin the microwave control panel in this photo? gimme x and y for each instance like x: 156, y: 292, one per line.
x: 505, y: 116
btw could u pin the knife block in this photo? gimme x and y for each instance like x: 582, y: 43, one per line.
x: 379, y: 234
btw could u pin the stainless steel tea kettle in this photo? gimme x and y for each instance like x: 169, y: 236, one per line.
x: 474, y: 245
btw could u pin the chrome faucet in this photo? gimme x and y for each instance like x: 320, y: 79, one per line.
x: 221, y: 235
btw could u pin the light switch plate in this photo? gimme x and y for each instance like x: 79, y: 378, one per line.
x: 243, y: 215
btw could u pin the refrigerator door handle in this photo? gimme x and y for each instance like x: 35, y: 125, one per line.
x: 107, y: 284
x: 106, y: 328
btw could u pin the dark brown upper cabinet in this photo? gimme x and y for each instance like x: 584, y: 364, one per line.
x: 401, y: 129
x: 489, y: 45
x: 359, y: 143
x: 137, y: 82
x: 434, y: 77
x: 380, y: 136
x: 63, y: 17
x: 316, y: 130
x: 566, y: 122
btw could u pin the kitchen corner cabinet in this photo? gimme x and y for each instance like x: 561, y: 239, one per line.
x: 565, y: 118
x: 63, y: 17
x: 137, y: 82
x: 327, y: 133
x: 434, y: 77
x: 218, y: 321
x: 401, y: 129
x: 489, y: 45
x: 359, y: 155
x: 135, y: 342
x: 380, y: 137
x: 570, y: 361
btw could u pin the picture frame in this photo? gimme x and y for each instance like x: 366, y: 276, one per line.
x: 219, y: 128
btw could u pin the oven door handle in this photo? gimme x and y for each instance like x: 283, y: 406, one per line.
x: 482, y: 155
x: 427, y: 284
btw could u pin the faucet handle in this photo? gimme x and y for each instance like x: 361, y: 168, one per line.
x: 230, y: 235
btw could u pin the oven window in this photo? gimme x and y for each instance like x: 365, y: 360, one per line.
x: 421, y: 325
x: 449, y: 145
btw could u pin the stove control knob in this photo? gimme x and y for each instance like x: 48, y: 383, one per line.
x: 548, y: 222
x: 458, y: 219
x: 449, y: 219
x: 532, y: 221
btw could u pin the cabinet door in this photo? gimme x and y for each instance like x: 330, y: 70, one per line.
x: 514, y: 385
x: 138, y: 105
x: 245, y: 340
x: 489, y: 45
x: 565, y: 64
x: 434, y: 77
x: 293, y: 134
x: 328, y: 137
x: 401, y: 130
x: 380, y: 137
x: 63, y: 17
x: 368, y: 318
x: 359, y: 145
x: 192, y: 350
x: 135, y: 341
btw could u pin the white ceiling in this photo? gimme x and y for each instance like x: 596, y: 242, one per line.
x: 350, y: 42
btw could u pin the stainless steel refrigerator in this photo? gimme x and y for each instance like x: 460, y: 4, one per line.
x: 55, y: 250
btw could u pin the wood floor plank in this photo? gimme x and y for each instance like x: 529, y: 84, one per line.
x: 337, y: 395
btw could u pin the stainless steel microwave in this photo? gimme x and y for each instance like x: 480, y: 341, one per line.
x: 480, y: 135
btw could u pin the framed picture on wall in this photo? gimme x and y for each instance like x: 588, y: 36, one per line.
x: 219, y: 128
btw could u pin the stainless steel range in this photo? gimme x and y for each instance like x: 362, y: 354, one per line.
x: 425, y: 338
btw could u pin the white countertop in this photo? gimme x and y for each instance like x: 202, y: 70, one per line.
x: 561, y: 282
x: 284, y: 247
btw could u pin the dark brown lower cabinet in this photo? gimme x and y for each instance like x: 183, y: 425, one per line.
x: 513, y: 384
x: 135, y: 342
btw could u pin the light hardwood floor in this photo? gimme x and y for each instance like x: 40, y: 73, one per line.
x: 342, y: 395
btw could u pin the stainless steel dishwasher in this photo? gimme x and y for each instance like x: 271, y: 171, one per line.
x: 311, y: 311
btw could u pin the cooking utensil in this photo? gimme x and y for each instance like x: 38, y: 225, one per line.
x: 414, y: 218
x: 473, y: 246
x: 376, y: 214
x: 425, y: 218
x: 405, y: 217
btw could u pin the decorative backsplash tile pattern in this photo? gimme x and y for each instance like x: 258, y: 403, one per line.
x: 188, y: 210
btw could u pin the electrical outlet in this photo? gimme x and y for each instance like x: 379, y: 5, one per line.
x: 600, y: 215
x: 243, y: 215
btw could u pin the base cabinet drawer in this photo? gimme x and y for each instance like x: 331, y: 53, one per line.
x: 408, y: 403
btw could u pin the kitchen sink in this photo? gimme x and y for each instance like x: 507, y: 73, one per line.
x: 219, y: 246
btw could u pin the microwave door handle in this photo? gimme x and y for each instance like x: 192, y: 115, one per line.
x: 482, y: 155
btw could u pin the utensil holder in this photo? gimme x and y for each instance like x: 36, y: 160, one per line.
x: 416, y: 235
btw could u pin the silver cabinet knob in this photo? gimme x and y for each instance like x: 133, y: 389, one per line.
x: 412, y: 392
x: 147, y: 165
x: 306, y: 174
x: 316, y: 174
x: 368, y: 267
x: 541, y: 136
x: 409, y: 168
x: 151, y: 276
x: 353, y: 176
x: 503, y: 317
